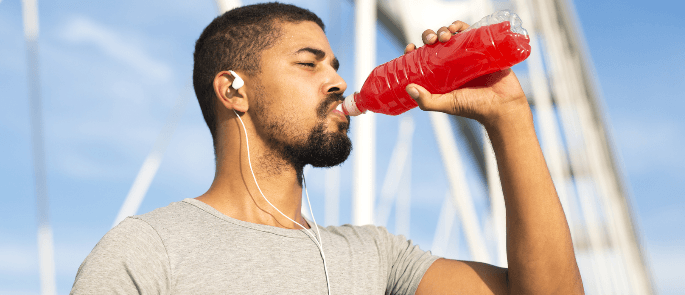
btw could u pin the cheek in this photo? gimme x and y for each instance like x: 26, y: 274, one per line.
x: 296, y: 102
x: 293, y: 100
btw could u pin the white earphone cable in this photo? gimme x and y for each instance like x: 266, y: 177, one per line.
x: 323, y: 256
x: 310, y: 233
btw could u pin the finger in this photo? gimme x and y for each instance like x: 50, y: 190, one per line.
x: 410, y: 47
x: 458, y: 26
x: 444, y: 34
x: 425, y: 100
x: 429, y: 37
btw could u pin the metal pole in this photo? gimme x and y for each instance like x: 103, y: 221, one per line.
x: 443, y: 229
x: 585, y: 119
x: 148, y: 170
x: 547, y: 123
x: 560, y: 82
x: 497, y: 210
x: 226, y: 5
x: 459, y: 187
x: 554, y: 154
x: 399, y: 161
x: 151, y: 164
x: 46, y: 250
x: 403, y: 204
x: 364, y: 131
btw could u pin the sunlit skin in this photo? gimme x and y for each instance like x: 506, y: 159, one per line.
x: 296, y: 81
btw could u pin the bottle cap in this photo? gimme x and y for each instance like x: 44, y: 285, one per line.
x: 349, y: 106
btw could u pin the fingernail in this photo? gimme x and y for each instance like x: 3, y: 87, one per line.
x: 431, y: 37
x: 413, y: 92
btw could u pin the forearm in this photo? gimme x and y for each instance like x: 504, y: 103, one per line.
x: 539, y: 248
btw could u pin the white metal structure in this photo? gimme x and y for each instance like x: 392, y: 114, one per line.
x: 578, y: 149
x: 46, y: 256
x: 363, y: 198
x: 151, y: 164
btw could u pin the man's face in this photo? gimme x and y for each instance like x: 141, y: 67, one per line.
x: 295, y: 95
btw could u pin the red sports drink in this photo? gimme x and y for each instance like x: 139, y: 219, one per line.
x: 494, y: 43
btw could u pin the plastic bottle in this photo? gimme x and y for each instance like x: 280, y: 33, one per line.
x: 494, y: 43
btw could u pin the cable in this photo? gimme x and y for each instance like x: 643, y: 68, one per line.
x: 310, y: 233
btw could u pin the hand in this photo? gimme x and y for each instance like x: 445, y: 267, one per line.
x: 485, y: 99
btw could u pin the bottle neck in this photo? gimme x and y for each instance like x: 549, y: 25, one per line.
x: 351, y: 105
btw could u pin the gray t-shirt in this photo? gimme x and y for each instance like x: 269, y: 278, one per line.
x: 189, y: 247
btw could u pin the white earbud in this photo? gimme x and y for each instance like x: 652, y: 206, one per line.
x: 237, y: 81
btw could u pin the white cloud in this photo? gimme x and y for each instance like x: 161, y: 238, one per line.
x: 117, y: 46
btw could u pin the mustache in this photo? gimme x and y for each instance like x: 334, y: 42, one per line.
x: 322, y: 110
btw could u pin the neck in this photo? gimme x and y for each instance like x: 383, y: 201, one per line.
x: 235, y: 193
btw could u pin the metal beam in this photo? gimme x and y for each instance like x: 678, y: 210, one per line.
x: 459, y: 187
x: 400, y: 159
x: 46, y: 260
x: 364, y: 191
x: 152, y: 162
x: 586, y: 134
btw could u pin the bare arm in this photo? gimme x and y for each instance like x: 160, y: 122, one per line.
x: 539, y: 249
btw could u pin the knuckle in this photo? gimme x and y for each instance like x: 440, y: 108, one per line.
x: 421, y: 102
x: 423, y: 107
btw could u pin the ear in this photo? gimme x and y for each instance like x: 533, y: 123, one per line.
x: 229, y: 97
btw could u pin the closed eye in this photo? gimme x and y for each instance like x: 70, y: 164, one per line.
x: 307, y: 64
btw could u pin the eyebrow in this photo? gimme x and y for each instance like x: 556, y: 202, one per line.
x: 320, y: 54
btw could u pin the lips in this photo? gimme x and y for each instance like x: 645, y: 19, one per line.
x: 337, y: 111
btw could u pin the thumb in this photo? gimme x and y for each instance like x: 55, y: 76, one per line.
x: 426, y: 100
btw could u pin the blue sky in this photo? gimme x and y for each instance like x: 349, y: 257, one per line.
x: 111, y: 73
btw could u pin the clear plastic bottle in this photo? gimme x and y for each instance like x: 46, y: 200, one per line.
x: 494, y: 43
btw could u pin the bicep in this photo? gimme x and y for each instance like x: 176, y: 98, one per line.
x: 447, y: 276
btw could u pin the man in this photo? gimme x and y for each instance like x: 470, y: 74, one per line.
x: 244, y: 235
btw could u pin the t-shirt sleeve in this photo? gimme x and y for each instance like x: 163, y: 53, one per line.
x: 408, y: 264
x: 129, y: 259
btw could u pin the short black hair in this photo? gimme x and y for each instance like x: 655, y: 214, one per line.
x: 235, y: 41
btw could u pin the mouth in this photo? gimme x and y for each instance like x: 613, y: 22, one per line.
x: 338, y: 112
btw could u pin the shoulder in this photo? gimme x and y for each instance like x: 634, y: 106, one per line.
x: 128, y: 239
x: 368, y: 230
x: 173, y: 213
x: 178, y: 218
x: 129, y: 257
x: 364, y: 233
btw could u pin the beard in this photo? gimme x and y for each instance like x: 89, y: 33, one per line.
x: 318, y: 148
x: 321, y: 149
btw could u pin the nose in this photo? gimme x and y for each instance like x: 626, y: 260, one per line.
x: 335, y: 83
